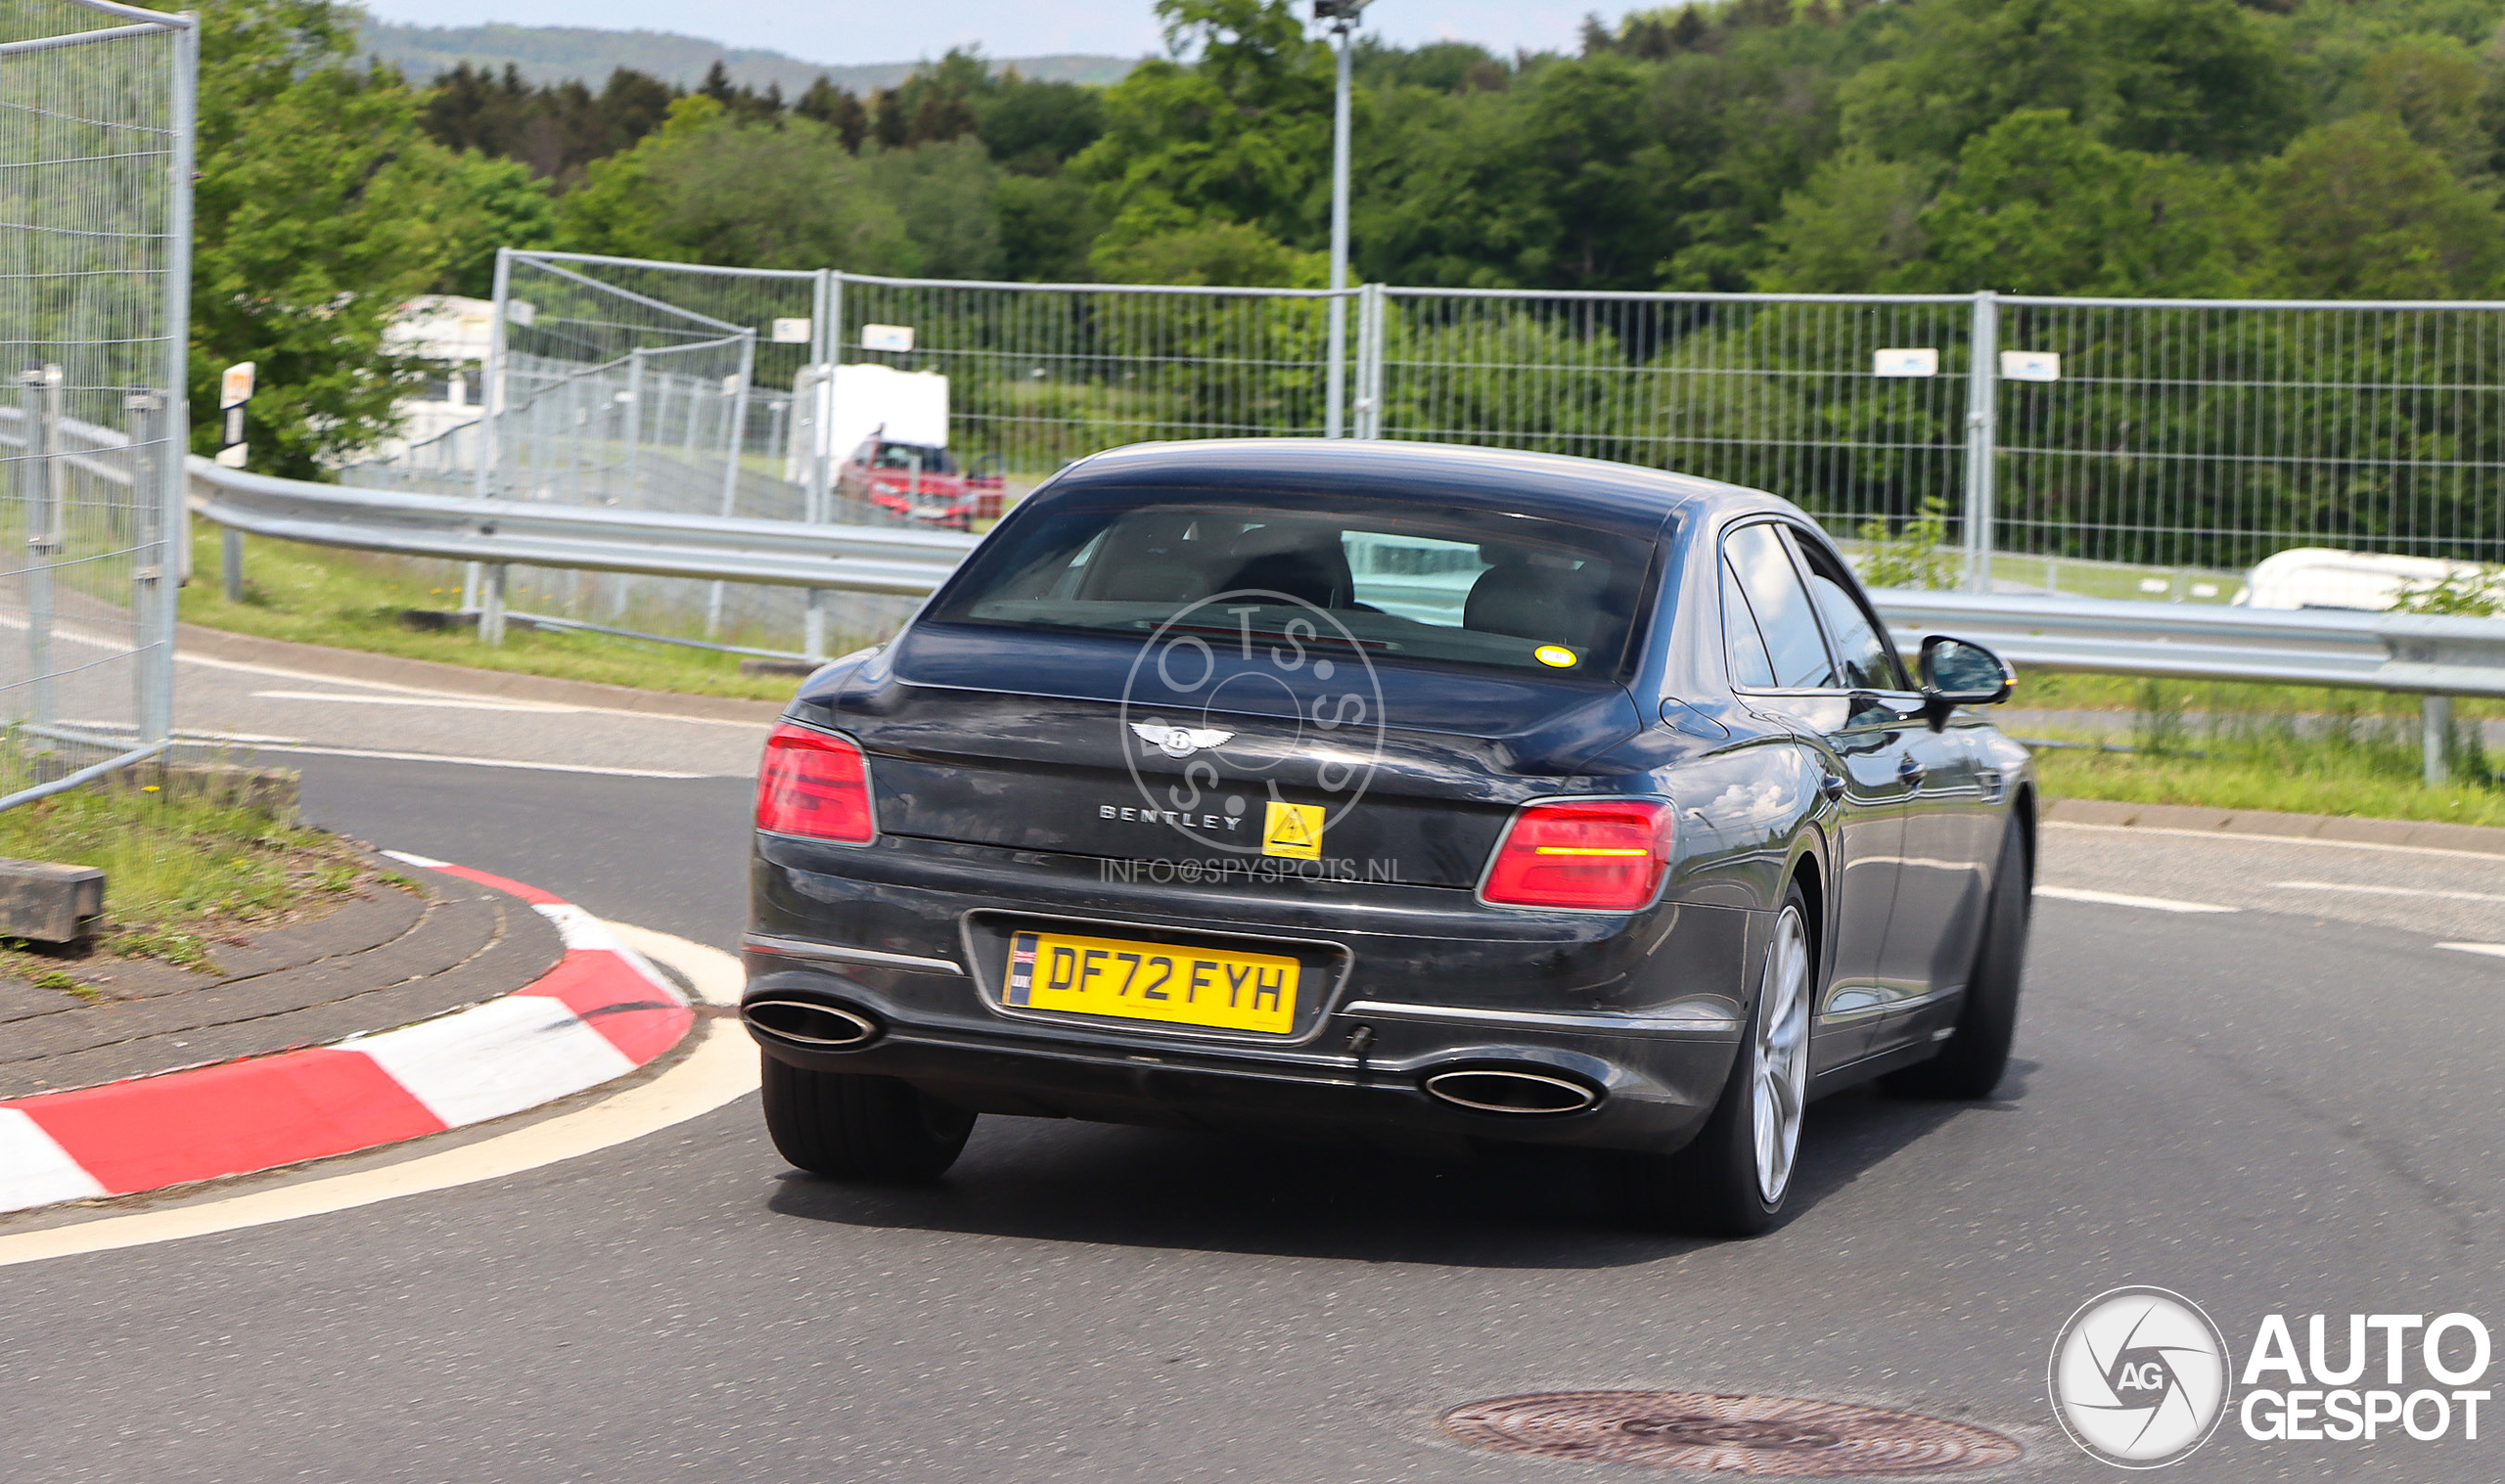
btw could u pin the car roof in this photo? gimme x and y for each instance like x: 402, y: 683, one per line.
x: 1556, y: 486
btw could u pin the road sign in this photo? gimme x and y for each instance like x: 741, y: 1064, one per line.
x: 234, y: 388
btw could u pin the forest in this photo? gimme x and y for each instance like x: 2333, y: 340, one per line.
x: 2160, y: 148
x: 2273, y: 148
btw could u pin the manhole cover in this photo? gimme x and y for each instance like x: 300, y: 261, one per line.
x: 1775, y: 1436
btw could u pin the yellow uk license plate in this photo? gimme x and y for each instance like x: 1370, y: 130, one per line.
x: 1152, y: 981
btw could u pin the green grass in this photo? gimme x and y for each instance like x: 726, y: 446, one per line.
x: 186, y: 868
x: 2342, y: 753
x: 2042, y: 691
x: 353, y: 600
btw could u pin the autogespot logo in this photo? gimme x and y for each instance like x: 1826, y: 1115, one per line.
x: 2139, y: 1378
x: 1252, y: 654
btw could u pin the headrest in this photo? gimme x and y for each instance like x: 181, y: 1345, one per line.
x: 1541, y: 599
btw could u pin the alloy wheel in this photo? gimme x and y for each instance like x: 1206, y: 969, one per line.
x: 1781, y: 1054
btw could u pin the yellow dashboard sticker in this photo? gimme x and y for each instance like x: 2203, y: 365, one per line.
x: 1292, y: 829
x: 1554, y: 655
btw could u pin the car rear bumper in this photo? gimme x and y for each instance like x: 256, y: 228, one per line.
x: 1643, y: 1012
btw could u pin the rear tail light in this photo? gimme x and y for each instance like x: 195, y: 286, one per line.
x: 1598, y: 855
x: 815, y: 785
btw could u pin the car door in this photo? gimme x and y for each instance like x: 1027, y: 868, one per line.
x: 1782, y: 667
x: 1938, y: 881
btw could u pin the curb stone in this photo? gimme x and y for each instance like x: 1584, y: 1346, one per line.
x: 2480, y: 840
x: 601, y: 1012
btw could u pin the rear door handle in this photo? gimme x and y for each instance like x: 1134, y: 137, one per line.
x: 1830, y: 787
x: 1912, y: 772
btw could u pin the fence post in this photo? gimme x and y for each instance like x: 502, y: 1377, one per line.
x: 492, y: 395
x: 1370, y: 361
x: 230, y: 567
x: 173, y: 414
x: 2436, y: 740
x: 1983, y: 411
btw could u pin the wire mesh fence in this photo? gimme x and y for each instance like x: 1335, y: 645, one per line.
x: 2183, y: 451
x: 95, y: 169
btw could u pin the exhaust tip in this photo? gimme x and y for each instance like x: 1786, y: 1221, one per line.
x: 809, y: 1022
x: 1489, y: 1090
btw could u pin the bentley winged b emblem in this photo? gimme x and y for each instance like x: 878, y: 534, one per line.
x: 1179, y: 742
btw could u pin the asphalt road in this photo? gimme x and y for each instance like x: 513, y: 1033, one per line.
x: 2286, y: 1107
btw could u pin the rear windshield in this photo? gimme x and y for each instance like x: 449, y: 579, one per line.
x: 1460, y: 587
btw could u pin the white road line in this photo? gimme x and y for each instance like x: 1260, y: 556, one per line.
x: 482, y: 762
x: 719, y: 1068
x: 2393, y: 891
x: 2492, y: 950
x: 2120, y: 899
x: 280, y: 672
x: 446, y: 701
x: 2243, y: 838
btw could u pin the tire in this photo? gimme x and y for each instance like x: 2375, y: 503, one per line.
x: 1736, y: 1175
x: 855, y: 1127
x: 1972, y: 1059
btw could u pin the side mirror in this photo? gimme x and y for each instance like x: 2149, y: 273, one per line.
x: 1958, y: 672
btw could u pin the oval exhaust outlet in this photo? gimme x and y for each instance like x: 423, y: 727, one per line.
x: 809, y: 1022
x: 1486, y: 1090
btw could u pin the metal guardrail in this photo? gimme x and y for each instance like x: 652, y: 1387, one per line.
x: 2408, y: 653
x: 859, y: 558
x: 2415, y: 653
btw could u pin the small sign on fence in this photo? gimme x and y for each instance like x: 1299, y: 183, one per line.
x: 1911, y: 361
x: 886, y: 336
x: 2030, y: 366
x: 791, y: 331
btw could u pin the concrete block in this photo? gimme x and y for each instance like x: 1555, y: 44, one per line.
x: 48, y: 902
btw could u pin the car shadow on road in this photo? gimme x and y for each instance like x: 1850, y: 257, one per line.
x: 1509, y: 1207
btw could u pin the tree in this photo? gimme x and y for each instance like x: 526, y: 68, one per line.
x: 1232, y: 253
x: 2358, y: 209
x: 493, y: 204
x: 1853, y: 229
x: 2041, y: 206
x: 1242, y: 135
x: 319, y: 208
x: 710, y: 189
x: 2196, y: 76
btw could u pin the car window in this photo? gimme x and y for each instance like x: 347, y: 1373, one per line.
x: 1397, y: 578
x: 1793, y: 642
x: 1861, y: 650
x: 1748, y: 665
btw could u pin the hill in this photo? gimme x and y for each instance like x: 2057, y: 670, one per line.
x: 558, y: 54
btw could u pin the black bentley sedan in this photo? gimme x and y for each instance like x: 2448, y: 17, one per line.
x: 1429, y: 794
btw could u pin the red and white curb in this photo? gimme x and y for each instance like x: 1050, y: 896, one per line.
x: 603, y: 1011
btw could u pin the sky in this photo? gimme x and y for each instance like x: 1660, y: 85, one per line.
x: 852, y: 31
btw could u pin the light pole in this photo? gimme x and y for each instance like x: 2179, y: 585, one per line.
x: 1341, y: 17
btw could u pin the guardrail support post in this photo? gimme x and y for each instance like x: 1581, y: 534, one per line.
x: 491, y: 602
x: 1982, y: 413
x: 231, y: 562
x: 2436, y: 739
x: 813, y: 625
x: 42, y: 490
